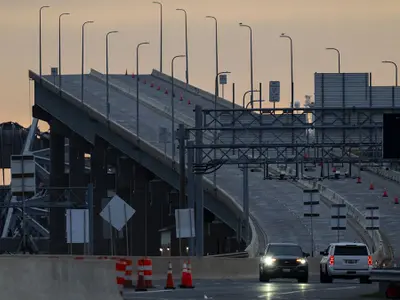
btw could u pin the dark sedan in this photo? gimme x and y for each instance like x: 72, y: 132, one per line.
x: 284, y: 260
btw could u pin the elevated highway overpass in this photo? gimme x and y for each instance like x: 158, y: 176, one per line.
x: 276, y: 206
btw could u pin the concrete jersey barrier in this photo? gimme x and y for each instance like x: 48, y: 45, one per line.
x: 41, y: 278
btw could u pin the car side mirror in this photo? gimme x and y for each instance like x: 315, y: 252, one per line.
x: 323, y: 253
x: 306, y: 254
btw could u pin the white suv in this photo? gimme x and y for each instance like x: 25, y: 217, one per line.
x: 346, y: 261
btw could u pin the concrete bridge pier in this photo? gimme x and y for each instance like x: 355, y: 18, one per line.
x: 57, y: 242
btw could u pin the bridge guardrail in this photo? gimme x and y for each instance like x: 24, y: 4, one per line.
x: 387, y: 174
x: 243, y: 254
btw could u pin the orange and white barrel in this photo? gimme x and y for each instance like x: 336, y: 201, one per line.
x: 148, y: 272
x: 120, y: 268
x: 128, y: 273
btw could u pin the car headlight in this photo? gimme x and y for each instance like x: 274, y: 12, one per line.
x: 267, y: 260
x: 301, y: 261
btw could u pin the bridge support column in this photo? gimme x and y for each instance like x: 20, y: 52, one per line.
x: 98, y: 165
x: 146, y: 220
x: 57, y: 215
x: 77, y: 170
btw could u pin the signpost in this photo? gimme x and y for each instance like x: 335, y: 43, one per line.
x: 274, y: 92
x: 338, y: 218
x: 372, y: 218
x: 311, y: 198
x: 163, y: 138
x: 223, y: 80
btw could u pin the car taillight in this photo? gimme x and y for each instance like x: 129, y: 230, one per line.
x: 369, y: 260
x: 331, y: 260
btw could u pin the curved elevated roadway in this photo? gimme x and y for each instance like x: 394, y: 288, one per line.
x: 276, y: 205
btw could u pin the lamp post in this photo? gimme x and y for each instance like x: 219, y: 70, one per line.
x: 186, y: 44
x: 291, y: 68
x: 244, y: 97
x: 251, y: 61
x: 107, y: 87
x: 395, y: 69
x: 161, y: 33
x: 83, y: 57
x: 338, y: 56
x: 173, y: 106
x: 216, y: 45
x: 40, y: 39
x: 59, y: 48
x: 215, y: 120
x: 137, y: 86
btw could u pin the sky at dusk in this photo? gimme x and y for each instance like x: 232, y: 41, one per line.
x: 364, y: 30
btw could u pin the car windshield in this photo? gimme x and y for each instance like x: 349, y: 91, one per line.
x: 351, y: 250
x: 282, y: 250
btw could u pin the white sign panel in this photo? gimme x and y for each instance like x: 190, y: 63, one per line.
x: 184, y: 222
x: 311, y: 200
x: 163, y: 135
x: 372, y: 218
x: 338, y: 216
x: 274, y: 91
x: 77, y: 226
x: 23, y: 175
x: 117, y: 212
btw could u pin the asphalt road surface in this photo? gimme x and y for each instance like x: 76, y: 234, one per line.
x: 254, y: 290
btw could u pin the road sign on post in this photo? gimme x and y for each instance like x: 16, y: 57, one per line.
x: 23, y: 178
x: 311, y: 199
x: 223, y: 79
x: 372, y: 218
x: 274, y: 91
x: 338, y: 218
x: 184, y: 223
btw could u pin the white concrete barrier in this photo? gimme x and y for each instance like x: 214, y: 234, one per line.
x: 45, y: 278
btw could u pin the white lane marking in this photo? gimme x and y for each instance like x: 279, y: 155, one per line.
x: 149, y: 292
x: 306, y: 290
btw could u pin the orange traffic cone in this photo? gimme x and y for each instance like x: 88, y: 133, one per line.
x: 152, y: 84
x: 144, y: 81
x: 158, y: 88
x: 358, y: 179
x: 396, y: 200
x: 189, y: 281
x: 166, y: 92
x: 189, y: 102
x: 133, y: 75
x: 371, y: 186
x: 170, y: 279
x: 181, y: 98
x: 183, y: 275
x: 140, y: 285
x: 334, y: 170
x: 385, y: 194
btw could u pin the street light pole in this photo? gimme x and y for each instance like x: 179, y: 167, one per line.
x: 83, y: 57
x: 137, y: 86
x: 395, y: 69
x: 59, y: 48
x: 251, y: 61
x: 40, y: 39
x: 107, y: 87
x: 215, y: 121
x: 173, y: 106
x: 338, y: 54
x: 244, y: 98
x: 161, y: 34
x: 291, y: 68
x: 186, y: 44
x: 216, y: 43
